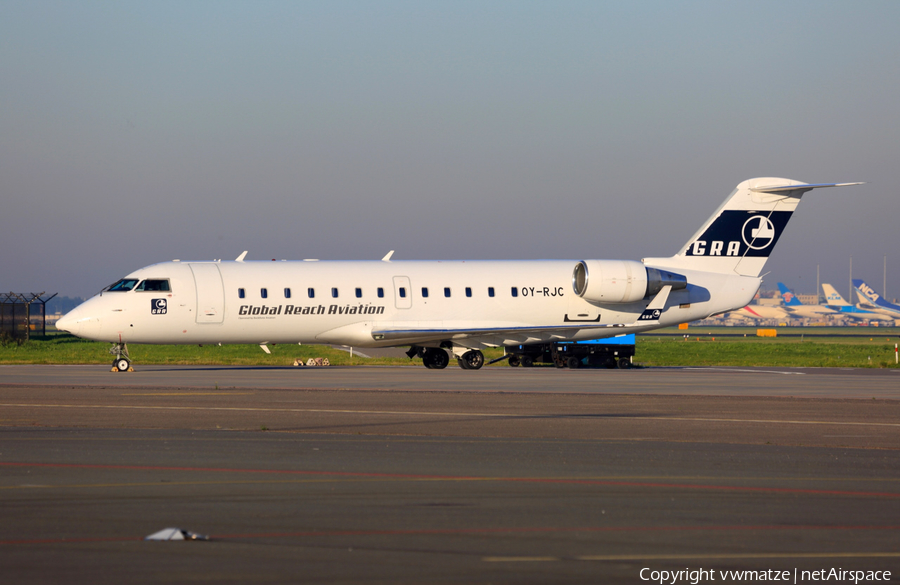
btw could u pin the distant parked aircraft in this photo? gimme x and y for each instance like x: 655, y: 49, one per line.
x: 759, y: 312
x: 834, y: 300
x: 873, y: 301
x: 793, y: 305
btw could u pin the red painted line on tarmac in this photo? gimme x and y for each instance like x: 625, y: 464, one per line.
x: 693, y: 486
x: 591, y: 482
x: 229, y: 470
x: 526, y: 530
x: 463, y: 531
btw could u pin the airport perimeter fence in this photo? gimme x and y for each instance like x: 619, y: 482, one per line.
x: 22, y: 313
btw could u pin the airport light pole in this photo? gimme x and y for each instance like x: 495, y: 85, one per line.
x: 850, y: 281
x: 818, y: 295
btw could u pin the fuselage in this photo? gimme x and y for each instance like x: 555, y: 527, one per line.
x: 457, y: 306
x: 350, y: 302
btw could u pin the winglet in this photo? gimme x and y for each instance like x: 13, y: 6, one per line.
x: 654, y: 310
x: 387, y: 257
x: 241, y: 257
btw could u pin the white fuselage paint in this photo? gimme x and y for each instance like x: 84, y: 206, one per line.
x: 545, y: 299
x: 720, y: 265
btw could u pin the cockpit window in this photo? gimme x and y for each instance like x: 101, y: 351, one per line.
x: 123, y: 285
x: 154, y: 285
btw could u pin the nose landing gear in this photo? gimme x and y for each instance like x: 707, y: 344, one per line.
x: 122, y: 363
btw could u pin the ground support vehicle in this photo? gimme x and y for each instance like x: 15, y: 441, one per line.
x: 599, y: 353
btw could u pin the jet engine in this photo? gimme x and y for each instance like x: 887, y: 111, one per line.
x: 621, y: 281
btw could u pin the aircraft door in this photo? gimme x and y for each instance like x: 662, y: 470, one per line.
x: 210, y: 293
x: 402, y: 292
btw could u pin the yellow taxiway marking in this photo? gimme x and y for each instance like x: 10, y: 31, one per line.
x: 447, y: 414
x: 708, y: 557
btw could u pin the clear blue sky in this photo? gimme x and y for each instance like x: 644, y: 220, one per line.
x: 137, y: 132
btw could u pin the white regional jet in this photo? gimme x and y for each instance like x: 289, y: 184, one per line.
x: 436, y: 307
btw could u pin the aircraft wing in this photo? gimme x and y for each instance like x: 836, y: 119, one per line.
x: 475, y: 337
x: 466, y: 333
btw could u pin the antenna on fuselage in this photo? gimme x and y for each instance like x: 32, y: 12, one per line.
x: 241, y: 257
x: 387, y: 257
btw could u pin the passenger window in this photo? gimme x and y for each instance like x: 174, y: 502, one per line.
x: 124, y: 285
x: 468, y: 291
x: 287, y: 293
x: 514, y: 291
x: 402, y: 292
x: 154, y: 285
x: 359, y: 293
x: 425, y: 292
x: 334, y: 292
x: 490, y: 291
x: 446, y: 291
x: 380, y: 293
x: 311, y: 292
x: 241, y: 293
x: 264, y: 293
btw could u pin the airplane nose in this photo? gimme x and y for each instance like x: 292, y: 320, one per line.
x: 66, y: 323
x: 79, y: 324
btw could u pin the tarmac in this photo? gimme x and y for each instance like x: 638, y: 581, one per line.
x: 408, y: 475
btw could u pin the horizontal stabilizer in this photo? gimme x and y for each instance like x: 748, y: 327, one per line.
x: 799, y: 187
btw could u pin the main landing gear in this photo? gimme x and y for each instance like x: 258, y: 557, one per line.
x: 471, y: 360
x: 122, y: 363
x: 436, y: 358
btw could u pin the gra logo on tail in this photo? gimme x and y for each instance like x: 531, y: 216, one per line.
x: 761, y: 232
x: 733, y: 233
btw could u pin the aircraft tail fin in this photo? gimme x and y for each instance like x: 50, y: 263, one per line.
x: 833, y: 298
x: 739, y: 237
x: 872, y: 296
x: 787, y: 296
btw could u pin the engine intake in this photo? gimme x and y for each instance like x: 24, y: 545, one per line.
x: 621, y: 281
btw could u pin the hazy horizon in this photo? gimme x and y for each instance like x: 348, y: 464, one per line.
x: 134, y: 133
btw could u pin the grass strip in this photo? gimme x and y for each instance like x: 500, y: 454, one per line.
x: 697, y: 350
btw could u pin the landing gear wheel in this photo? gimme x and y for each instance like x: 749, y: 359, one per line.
x: 441, y: 359
x: 527, y: 362
x: 514, y: 360
x: 624, y: 363
x: 435, y: 359
x: 573, y: 363
x: 122, y: 363
x: 471, y: 360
